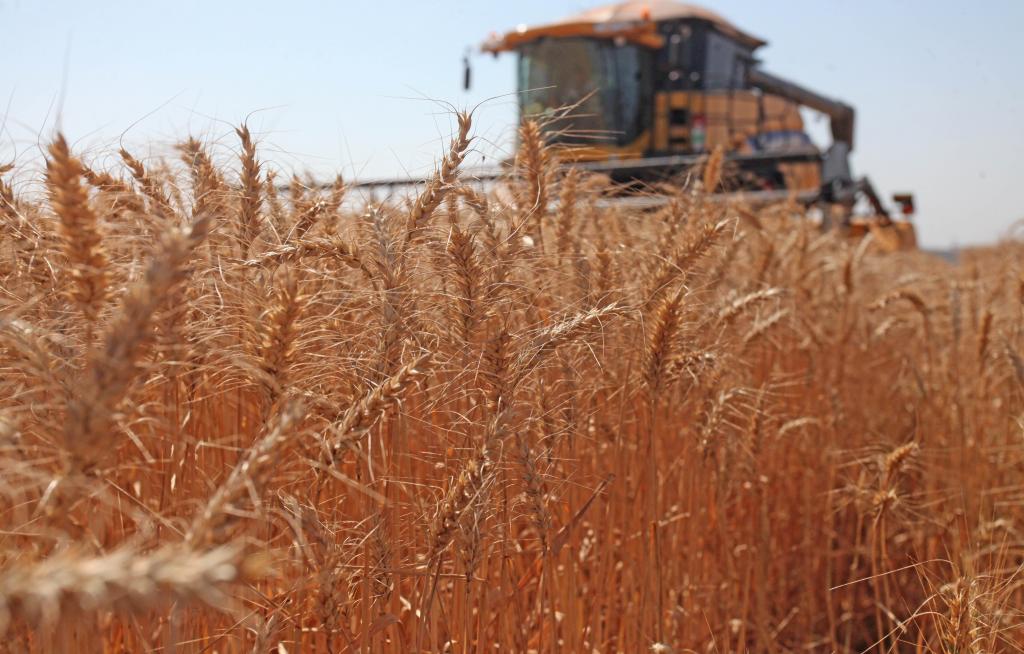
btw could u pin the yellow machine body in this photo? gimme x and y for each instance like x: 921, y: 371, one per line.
x: 650, y: 83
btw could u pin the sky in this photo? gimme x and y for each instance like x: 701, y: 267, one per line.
x: 367, y: 88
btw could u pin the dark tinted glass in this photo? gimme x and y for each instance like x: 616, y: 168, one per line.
x: 607, y: 84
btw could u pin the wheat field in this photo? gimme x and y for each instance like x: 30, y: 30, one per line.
x: 244, y: 415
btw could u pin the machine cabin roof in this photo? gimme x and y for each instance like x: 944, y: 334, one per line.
x: 634, y: 20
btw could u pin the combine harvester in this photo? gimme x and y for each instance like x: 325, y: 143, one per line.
x: 656, y: 85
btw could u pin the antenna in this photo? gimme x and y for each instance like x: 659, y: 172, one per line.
x: 467, y: 73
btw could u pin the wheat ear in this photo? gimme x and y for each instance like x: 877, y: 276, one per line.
x: 81, y: 237
x: 443, y: 180
x: 250, y: 200
x: 123, y: 580
x: 248, y: 474
x: 360, y: 417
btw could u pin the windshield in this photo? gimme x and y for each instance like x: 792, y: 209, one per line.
x: 607, y: 83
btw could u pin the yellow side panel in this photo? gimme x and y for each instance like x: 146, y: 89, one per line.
x: 716, y: 113
x: 745, y: 107
x: 660, y: 139
x: 745, y: 118
x: 731, y: 118
x: 718, y: 135
x: 781, y: 115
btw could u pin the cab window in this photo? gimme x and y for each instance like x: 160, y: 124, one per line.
x: 725, y: 63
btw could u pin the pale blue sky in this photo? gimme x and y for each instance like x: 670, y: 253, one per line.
x: 938, y: 86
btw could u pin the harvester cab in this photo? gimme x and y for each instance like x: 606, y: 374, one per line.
x: 643, y: 90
